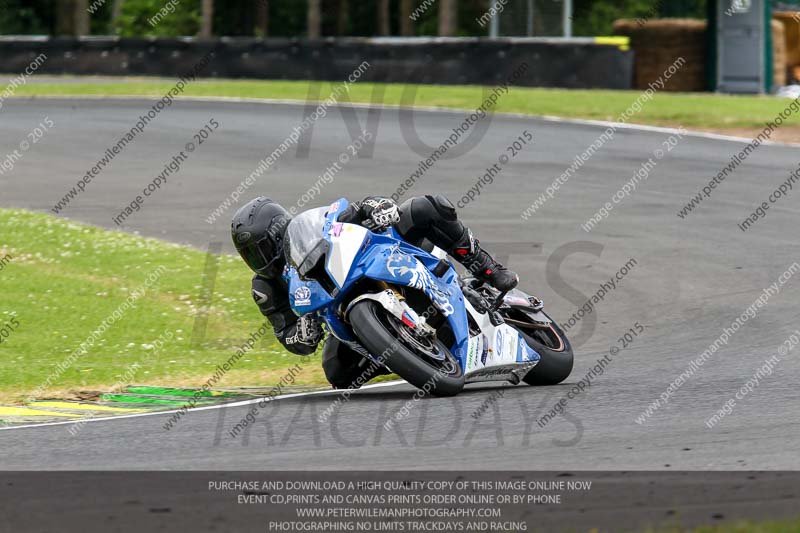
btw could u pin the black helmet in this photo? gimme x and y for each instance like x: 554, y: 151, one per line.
x: 258, y: 230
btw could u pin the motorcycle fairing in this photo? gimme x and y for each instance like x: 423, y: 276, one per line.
x: 497, y: 352
x: 356, y: 253
x: 500, y: 352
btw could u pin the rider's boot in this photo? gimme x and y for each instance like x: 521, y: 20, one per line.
x: 483, y: 266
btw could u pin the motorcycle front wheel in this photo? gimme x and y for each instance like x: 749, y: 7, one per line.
x: 424, y: 362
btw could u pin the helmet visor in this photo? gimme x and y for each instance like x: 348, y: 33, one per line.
x: 258, y: 254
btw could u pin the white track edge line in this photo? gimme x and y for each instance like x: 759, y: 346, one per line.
x: 431, y: 109
x: 204, y: 408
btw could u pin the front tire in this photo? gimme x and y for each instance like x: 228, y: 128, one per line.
x: 378, y: 332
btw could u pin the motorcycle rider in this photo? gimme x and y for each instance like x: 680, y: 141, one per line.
x: 258, y: 230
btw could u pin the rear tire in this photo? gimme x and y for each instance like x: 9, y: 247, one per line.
x: 371, y: 324
x: 555, y: 365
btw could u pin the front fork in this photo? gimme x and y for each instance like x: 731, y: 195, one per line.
x: 395, y: 304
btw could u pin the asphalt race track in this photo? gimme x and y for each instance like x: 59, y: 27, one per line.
x: 692, y: 277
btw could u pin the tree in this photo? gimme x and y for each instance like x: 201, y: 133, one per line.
x: 72, y: 17
x: 383, y: 18
x: 448, y: 17
x: 63, y: 18
x: 116, y: 11
x: 81, y: 17
x: 406, y: 24
x: 314, y: 19
x: 207, y: 19
x: 342, y: 17
x: 262, y: 18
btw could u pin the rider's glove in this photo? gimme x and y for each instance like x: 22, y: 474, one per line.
x: 379, y: 213
x: 307, y: 331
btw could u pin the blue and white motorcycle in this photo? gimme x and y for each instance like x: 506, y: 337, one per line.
x: 407, y: 309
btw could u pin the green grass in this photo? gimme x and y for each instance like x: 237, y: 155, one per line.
x: 692, y: 110
x: 65, y: 278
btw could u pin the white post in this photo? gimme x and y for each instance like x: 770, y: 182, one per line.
x: 567, y: 18
x: 494, y: 25
x: 530, y: 18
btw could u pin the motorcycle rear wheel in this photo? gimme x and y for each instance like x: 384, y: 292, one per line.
x: 405, y: 354
x: 552, y: 346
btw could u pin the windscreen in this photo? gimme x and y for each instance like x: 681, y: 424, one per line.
x: 306, y: 241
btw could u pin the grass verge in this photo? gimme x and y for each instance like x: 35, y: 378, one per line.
x: 60, y: 280
x: 736, y: 115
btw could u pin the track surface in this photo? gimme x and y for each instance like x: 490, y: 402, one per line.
x: 693, y: 277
